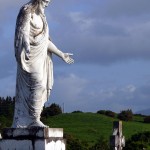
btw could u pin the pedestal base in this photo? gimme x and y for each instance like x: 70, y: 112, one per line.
x: 32, y: 139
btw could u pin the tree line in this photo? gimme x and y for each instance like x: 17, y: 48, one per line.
x: 7, y: 109
x: 7, y: 106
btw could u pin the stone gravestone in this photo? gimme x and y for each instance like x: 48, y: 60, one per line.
x: 117, y: 140
x: 33, y: 52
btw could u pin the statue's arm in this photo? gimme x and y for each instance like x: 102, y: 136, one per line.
x: 22, y: 31
x: 65, y: 56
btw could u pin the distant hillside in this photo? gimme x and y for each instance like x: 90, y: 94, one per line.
x: 144, y: 112
x: 90, y: 126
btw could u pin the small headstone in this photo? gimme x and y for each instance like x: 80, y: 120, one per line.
x: 117, y: 140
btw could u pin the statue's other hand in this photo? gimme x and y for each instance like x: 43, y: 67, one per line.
x: 66, y: 57
x: 27, y: 53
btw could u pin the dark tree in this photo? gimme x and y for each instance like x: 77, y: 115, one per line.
x: 75, y: 144
x: 138, y: 141
x: 107, y: 113
x: 101, y: 112
x: 147, y: 119
x: 52, y: 110
x: 126, y: 115
x: 77, y: 111
x: 7, y: 106
x: 110, y: 113
x: 6, y: 111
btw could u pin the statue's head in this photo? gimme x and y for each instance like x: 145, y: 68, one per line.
x: 43, y: 3
x: 39, y: 4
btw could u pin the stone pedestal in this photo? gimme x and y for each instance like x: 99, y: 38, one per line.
x: 34, y: 138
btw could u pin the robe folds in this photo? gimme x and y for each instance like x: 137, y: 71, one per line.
x: 35, y: 72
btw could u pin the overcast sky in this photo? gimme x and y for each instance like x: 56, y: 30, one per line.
x: 110, y: 40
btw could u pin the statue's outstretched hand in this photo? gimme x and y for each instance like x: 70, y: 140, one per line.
x: 66, y: 57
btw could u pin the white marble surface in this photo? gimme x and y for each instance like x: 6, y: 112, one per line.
x: 32, y: 145
x: 55, y: 132
x: 33, y: 52
x: 35, y: 138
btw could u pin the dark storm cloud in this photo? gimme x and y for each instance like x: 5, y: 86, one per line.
x: 89, y: 28
x: 93, y: 31
x: 129, y: 8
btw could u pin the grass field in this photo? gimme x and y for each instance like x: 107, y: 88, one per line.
x: 89, y: 127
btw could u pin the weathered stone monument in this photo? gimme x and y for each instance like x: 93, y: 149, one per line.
x: 117, y: 140
x: 33, y: 52
x: 34, y: 138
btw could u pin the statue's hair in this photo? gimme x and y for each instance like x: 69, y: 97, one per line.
x: 34, y: 4
x: 36, y: 1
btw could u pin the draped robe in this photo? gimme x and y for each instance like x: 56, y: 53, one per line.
x: 34, y: 74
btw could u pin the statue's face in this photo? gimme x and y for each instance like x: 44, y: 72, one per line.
x: 44, y: 3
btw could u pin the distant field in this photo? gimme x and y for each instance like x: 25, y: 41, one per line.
x: 90, y: 126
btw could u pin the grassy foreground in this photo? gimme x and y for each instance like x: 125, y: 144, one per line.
x: 89, y: 127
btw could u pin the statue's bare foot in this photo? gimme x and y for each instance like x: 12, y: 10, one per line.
x: 38, y: 123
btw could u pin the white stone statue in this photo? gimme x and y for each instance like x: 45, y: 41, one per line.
x: 33, y: 51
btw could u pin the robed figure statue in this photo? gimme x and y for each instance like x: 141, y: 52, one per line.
x: 33, y: 52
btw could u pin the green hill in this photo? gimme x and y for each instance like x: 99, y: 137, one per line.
x: 89, y: 127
